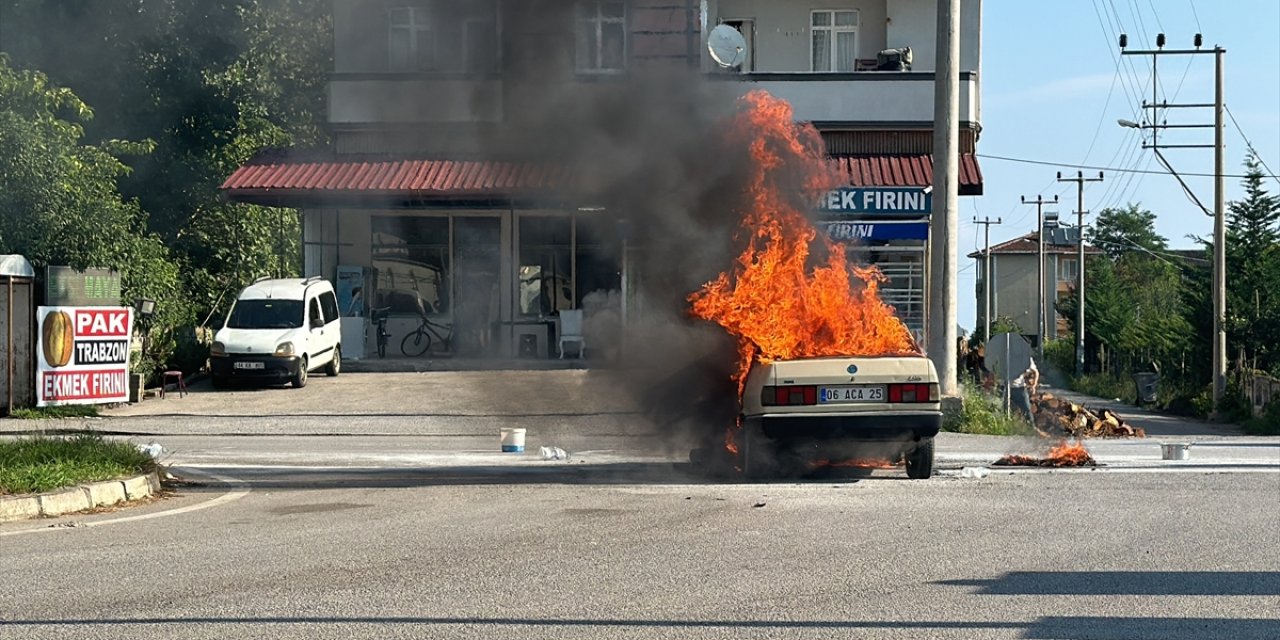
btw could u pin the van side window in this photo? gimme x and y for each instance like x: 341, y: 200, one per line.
x: 315, y: 311
x: 329, y: 303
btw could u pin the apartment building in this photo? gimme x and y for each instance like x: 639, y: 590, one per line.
x: 420, y: 206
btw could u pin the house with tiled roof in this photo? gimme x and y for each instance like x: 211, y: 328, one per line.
x: 1013, y: 292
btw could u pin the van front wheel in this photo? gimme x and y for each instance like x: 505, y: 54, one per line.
x: 300, y: 378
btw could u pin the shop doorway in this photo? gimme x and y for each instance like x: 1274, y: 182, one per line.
x: 477, y: 258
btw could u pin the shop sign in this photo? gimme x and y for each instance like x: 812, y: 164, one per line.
x: 82, y: 355
x: 892, y: 202
x: 849, y: 231
x: 64, y: 286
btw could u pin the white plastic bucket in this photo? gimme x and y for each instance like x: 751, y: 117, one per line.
x: 512, y: 440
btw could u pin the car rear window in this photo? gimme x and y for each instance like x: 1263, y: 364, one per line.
x: 266, y: 314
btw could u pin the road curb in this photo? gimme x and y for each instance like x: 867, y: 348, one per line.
x: 79, y: 498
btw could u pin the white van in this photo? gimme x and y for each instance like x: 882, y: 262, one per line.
x: 278, y: 331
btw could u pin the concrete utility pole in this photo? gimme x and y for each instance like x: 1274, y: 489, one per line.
x: 986, y: 277
x: 1219, y: 188
x: 1080, y: 180
x: 1039, y: 202
x: 944, y: 236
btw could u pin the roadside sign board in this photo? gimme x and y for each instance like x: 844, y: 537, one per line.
x: 66, y: 287
x: 879, y: 202
x: 848, y: 230
x: 82, y: 355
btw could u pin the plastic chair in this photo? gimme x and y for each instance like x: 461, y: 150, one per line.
x: 571, y: 330
x: 181, y: 384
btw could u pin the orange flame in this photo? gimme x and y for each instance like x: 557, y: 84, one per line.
x: 774, y: 301
x: 1063, y: 455
x: 863, y: 463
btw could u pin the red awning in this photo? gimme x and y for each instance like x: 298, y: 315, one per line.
x: 288, y: 182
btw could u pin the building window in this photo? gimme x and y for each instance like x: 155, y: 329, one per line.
x: 834, y: 37
x: 1068, y: 269
x: 445, y: 36
x: 601, y: 36
x: 411, y: 264
x: 546, y: 265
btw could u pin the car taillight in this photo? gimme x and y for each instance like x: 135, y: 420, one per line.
x: 789, y: 395
x: 913, y: 393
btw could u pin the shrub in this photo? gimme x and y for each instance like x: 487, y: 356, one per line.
x: 982, y: 414
x: 33, y: 465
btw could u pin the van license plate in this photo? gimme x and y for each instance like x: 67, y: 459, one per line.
x: 850, y: 393
x: 248, y: 365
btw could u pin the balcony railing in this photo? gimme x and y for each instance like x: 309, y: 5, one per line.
x: 872, y: 97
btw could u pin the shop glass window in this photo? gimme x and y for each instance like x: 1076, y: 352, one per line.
x: 834, y: 40
x: 411, y: 264
x: 601, y: 27
x: 546, y: 268
x: 453, y: 36
x: 598, y: 253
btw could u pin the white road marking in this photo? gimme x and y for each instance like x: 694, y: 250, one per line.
x: 242, y: 490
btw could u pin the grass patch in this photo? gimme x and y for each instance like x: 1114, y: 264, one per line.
x: 34, y: 465
x: 1267, y: 424
x: 1101, y: 385
x: 983, y: 414
x: 64, y: 411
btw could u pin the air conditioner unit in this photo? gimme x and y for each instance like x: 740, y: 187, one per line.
x: 894, y: 59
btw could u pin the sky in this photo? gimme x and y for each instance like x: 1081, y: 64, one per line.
x: 1054, y: 84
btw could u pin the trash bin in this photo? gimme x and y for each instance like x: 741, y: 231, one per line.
x: 1148, y: 384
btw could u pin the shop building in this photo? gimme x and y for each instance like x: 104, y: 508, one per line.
x: 413, y: 213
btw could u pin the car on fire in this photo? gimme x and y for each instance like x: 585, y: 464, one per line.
x: 840, y: 406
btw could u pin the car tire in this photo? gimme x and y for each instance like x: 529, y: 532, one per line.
x: 756, y: 454
x: 335, y: 365
x: 300, y: 378
x: 220, y: 382
x: 920, y: 460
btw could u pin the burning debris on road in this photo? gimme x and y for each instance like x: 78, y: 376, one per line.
x: 1063, y: 455
x: 1058, y: 418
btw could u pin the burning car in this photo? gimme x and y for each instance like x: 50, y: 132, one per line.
x: 828, y: 404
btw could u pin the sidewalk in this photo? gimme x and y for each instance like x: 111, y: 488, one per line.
x: 1157, y: 425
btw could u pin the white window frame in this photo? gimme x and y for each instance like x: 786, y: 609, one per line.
x: 1062, y: 269
x: 419, y: 23
x: 832, y: 30
x: 596, y: 21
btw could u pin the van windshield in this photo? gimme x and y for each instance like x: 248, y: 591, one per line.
x: 266, y: 314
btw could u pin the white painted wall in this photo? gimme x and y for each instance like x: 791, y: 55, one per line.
x: 862, y: 100
x: 911, y: 23
x: 782, y: 29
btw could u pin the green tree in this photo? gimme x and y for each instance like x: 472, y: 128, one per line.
x: 1253, y: 268
x: 211, y: 83
x: 61, y: 202
x: 1118, y: 231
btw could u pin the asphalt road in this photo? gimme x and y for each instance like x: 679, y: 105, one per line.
x: 403, y: 521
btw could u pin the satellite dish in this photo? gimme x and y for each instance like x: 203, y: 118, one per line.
x: 728, y: 47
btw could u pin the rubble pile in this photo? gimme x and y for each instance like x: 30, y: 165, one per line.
x: 1057, y: 418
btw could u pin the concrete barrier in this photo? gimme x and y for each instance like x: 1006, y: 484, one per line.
x: 105, y: 494
x: 65, y: 501
x: 19, y: 508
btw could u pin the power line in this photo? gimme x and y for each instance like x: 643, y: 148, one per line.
x: 1101, y: 168
x: 1270, y: 173
x: 1197, y: 15
x: 1103, y: 114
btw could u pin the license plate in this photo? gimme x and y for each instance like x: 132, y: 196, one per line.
x: 849, y: 393
x: 248, y: 365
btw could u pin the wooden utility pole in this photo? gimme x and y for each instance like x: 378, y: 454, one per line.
x: 1080, y: 180
x: 986, y: 276
x: 944, y: 225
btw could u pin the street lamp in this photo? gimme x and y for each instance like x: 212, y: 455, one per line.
x: 1128, y: 123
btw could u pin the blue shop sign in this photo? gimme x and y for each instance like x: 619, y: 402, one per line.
x: 847, y: 231
x: 910, y: 202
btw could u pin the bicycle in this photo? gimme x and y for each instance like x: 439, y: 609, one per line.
x: 419, y: 341
x: 380, y: 319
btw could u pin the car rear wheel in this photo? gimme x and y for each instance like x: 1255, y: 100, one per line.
x: 300, y: 378
x: 757, y: 454
x: 920, y: 460
x: 335, y: 366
